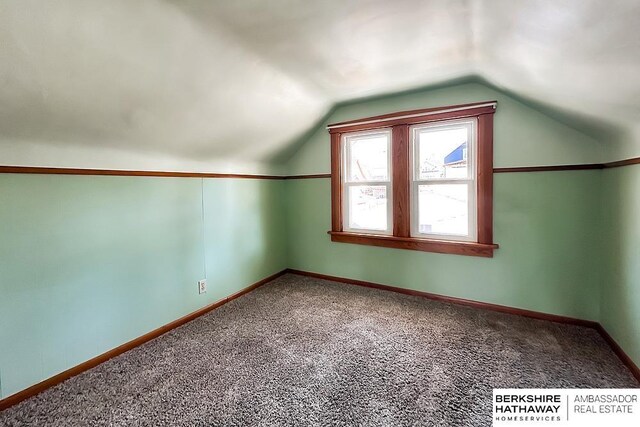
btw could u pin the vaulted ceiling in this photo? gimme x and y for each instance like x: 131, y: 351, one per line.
x: 239, y: 80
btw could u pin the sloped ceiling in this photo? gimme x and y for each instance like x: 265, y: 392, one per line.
x: 203, y: 85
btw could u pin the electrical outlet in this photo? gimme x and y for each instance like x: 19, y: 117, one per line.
x: 202, y: 286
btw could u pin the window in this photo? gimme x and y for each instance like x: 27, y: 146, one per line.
x: 443, y: 190
x: 420, y: 180
x: 367, y: 182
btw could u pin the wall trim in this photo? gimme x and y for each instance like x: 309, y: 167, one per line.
x: 119, y: 172
x: 587, y: 166
x: 91, y: 363
x: 620, y: 163
x: 626, y: 360
x: 549, y: 168
x: 318, y: 175
x: 37, y: 170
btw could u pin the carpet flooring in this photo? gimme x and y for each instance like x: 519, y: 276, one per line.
x: 302, y: 351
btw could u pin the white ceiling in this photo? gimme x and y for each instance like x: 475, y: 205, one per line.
x: 202, y: 80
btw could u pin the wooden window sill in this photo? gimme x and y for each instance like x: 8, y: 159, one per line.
x: 415, y: 244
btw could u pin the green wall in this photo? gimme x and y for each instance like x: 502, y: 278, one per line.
x: 569, y: 241
x: 543, y: 223
x: 523, y: 136
x: 88, y: 263
x: 620, y: 301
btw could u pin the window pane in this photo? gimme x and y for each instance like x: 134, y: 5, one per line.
x: 368, y: 207
x: 442, y: 152
x: 443, y: 209
x: 368, y: 158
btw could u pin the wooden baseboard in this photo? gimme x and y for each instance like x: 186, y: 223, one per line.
x: 635, y: 370
x: 91, y: 363
x: 487, y: 306
x: 453, y: 300
x: 57, y: 379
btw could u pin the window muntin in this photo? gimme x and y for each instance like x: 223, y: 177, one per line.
x: 367, y: 190
x: 443, y: 181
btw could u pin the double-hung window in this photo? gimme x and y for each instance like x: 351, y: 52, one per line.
x: 367, y: 182
x: 443, y: 190
x: 420, y: 180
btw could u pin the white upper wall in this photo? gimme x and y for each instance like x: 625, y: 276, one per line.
x: 229, y: 85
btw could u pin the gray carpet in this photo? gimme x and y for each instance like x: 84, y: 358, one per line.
x: 302, y: 351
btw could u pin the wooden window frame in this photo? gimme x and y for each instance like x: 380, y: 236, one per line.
x: 399, y: 124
